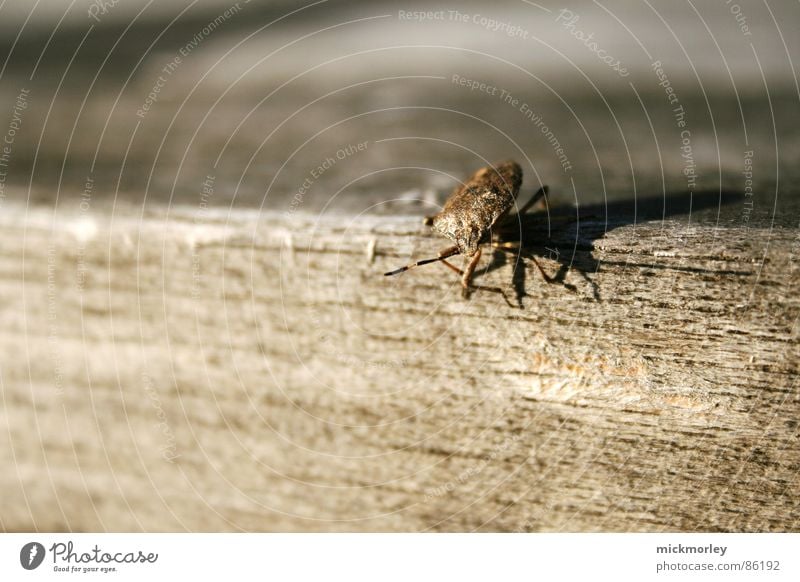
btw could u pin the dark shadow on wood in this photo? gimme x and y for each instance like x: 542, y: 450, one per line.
x: 567, y: 234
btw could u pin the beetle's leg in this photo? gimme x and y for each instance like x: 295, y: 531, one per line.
x: 560, y: 275
x: 451, y: 266
x: 466, y: 276
x: 474, y: 286
x: 540, y: 193
x: 466, y: 279
x: 448, y: 252
x: 512, y: 218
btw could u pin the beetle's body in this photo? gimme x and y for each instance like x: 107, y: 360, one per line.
x: 474, y: 209
x: 477, y: 205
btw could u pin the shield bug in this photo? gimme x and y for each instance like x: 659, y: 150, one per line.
x: 477, y: 213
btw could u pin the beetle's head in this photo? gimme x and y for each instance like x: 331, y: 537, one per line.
x: 469, y: 241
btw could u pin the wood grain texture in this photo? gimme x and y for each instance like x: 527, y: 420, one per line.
x: 181, y: 370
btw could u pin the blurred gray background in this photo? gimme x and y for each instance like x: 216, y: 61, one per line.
x: 258, y: 95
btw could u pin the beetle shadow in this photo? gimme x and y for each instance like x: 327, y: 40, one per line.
x: 566, y: 235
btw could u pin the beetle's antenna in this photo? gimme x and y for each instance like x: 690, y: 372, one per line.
x: 446, y: 255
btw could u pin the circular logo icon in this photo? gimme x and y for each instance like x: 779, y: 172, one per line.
x: 31, y: 555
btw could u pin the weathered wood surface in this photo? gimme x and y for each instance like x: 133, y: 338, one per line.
x: 192, y: 371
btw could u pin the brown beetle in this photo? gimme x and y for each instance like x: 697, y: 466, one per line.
x: 474, y: 212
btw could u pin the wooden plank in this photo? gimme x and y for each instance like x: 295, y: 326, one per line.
x: 215, y: 371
